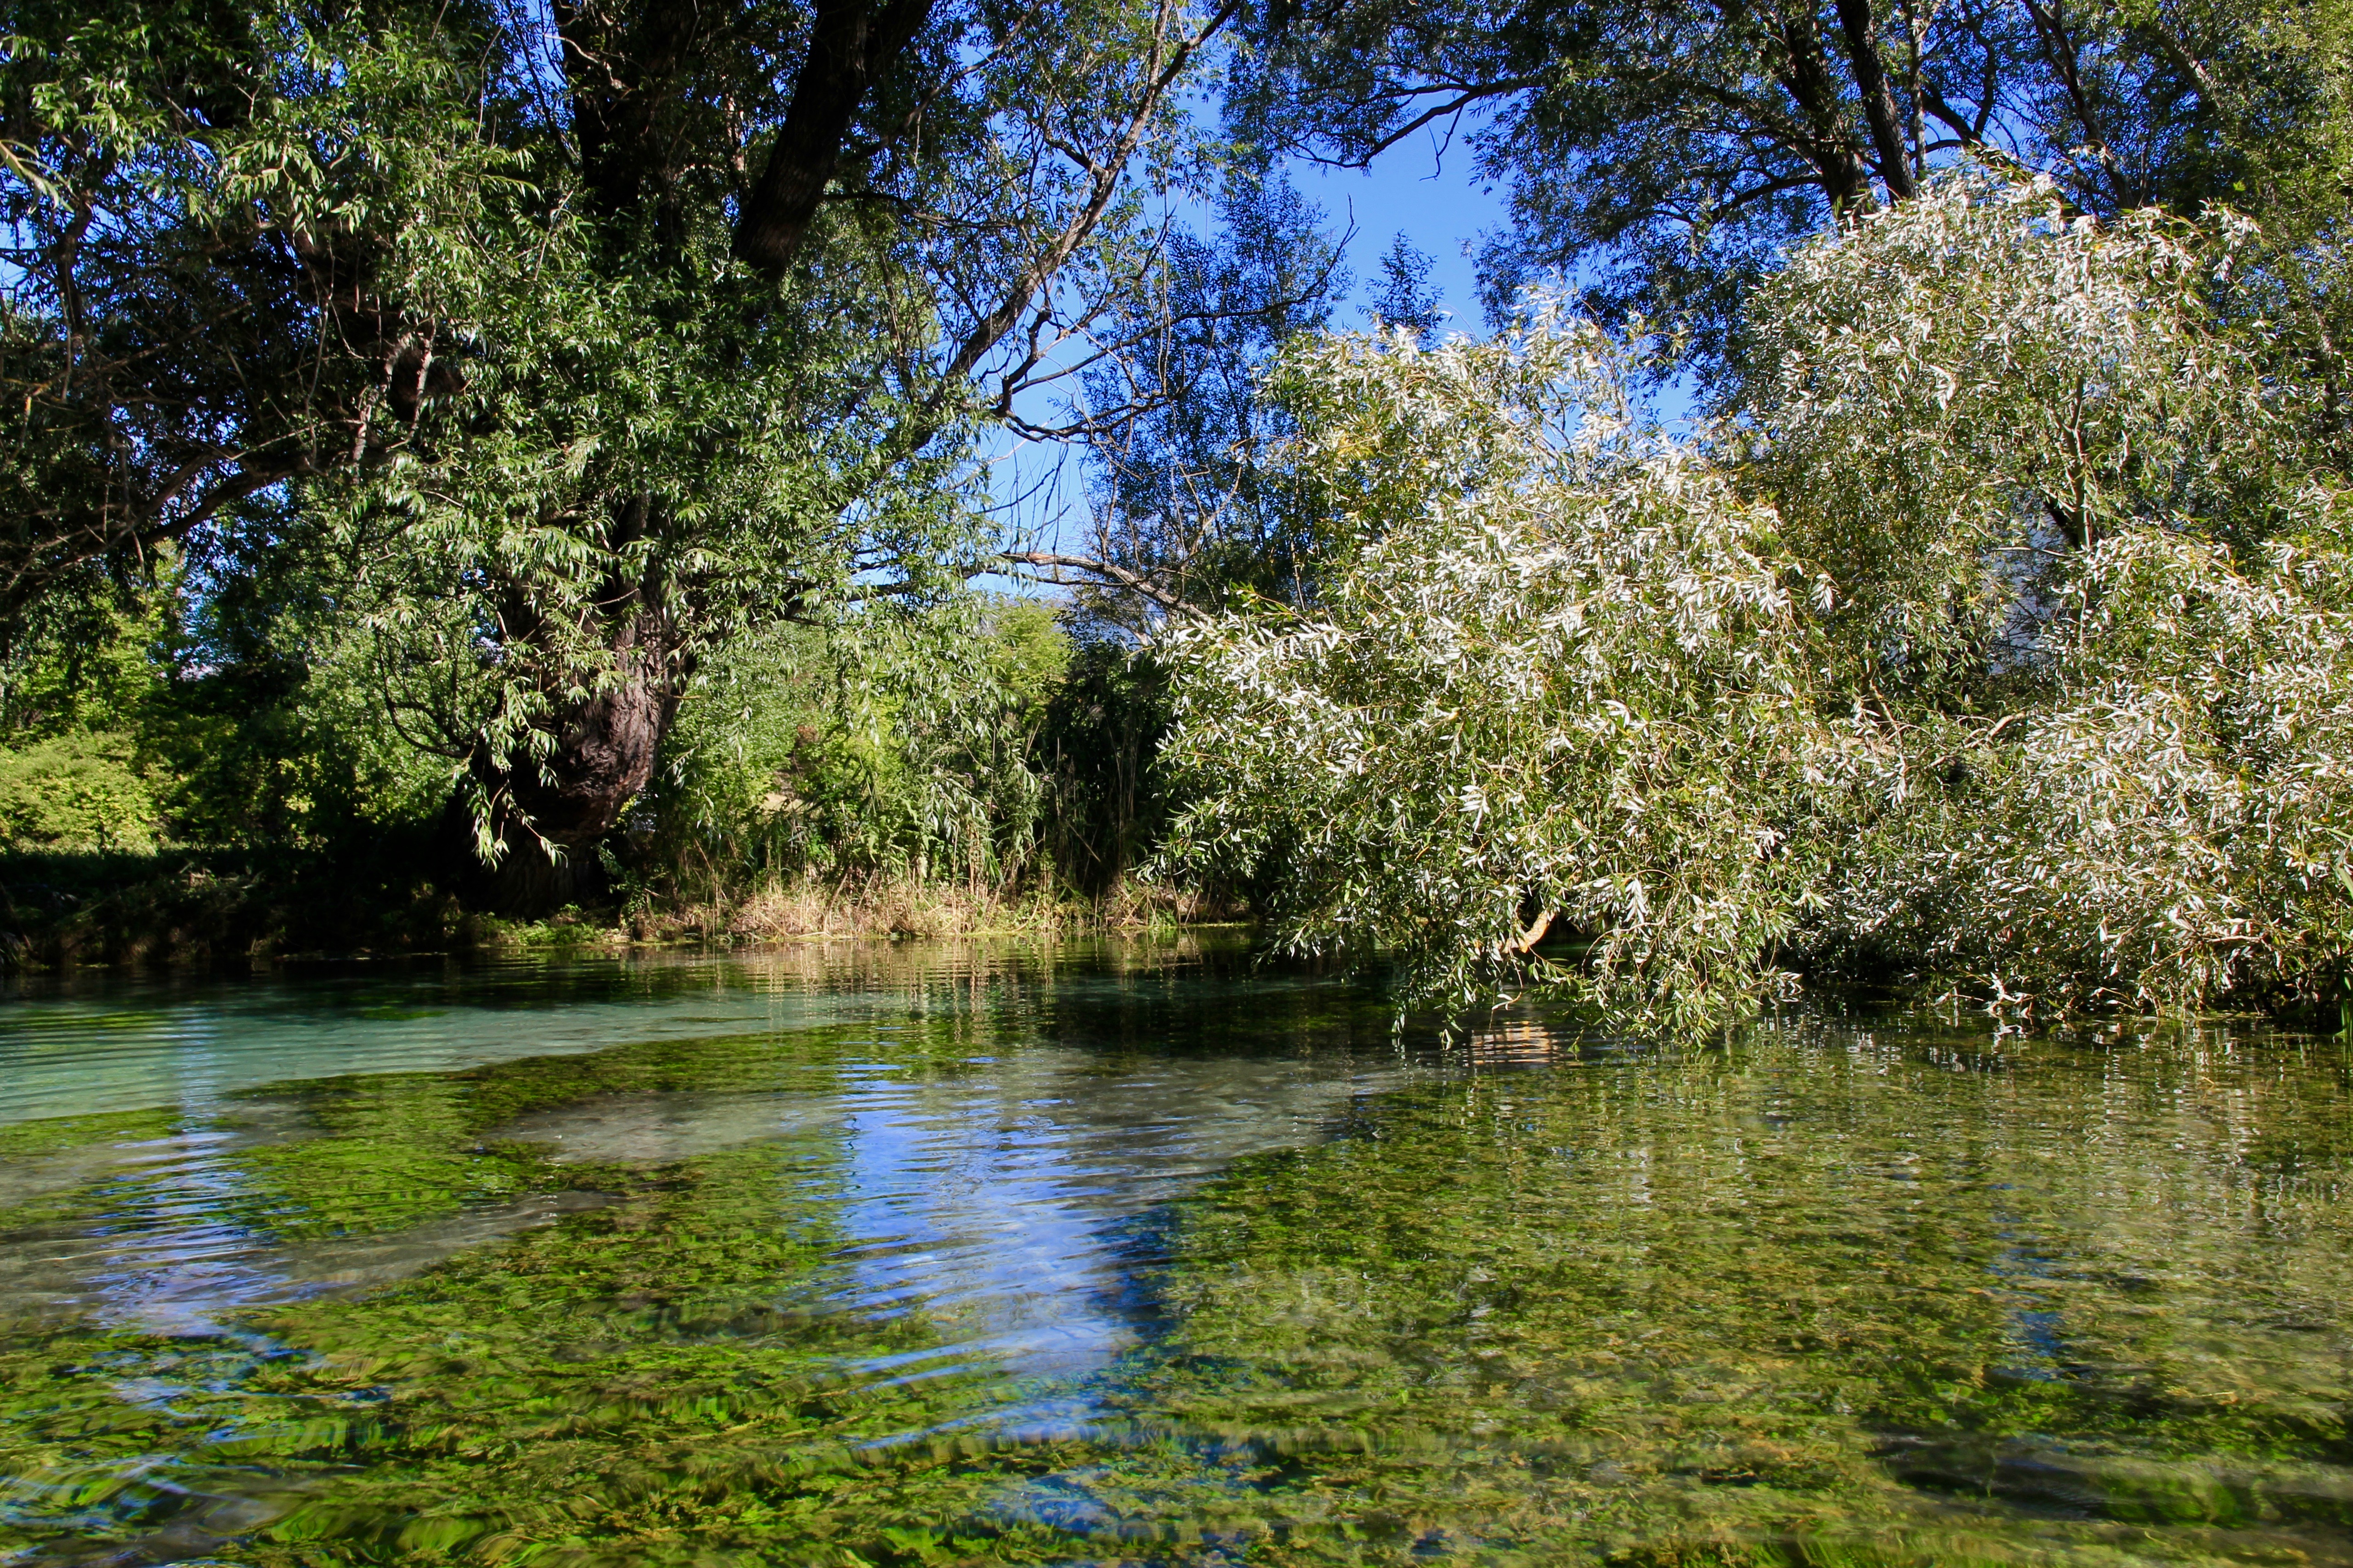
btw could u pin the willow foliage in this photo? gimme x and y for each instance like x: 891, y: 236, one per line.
x: 1998, y: 638
x: 2175, y: 823
x: 2092, y: 580
x: 1954, y: 401
x: 1536, y: 690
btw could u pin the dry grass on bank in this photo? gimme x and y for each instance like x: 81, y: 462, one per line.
x: 179, y: 906
x: 816, y: 908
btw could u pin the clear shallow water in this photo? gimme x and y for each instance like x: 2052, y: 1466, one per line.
x: 95, y: 1047
x: 1135, y: 1255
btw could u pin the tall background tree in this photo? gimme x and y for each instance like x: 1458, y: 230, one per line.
x: 570, y: 342
x: 1179, y: 515
x: 1663, y: 156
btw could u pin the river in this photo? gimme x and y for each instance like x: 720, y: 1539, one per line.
x: 1141, y: 1253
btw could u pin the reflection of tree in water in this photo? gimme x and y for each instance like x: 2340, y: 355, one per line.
x: 104, y: 1044
x: 1519, y: 1042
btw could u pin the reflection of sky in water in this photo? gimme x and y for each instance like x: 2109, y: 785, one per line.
x: 165, y: 1253
x: 1002, y: 1205
x: 171, y: 1249
x: 971, y: 1221
x: 997, y: 1201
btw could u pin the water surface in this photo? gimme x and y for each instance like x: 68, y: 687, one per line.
x: 1138, y: 1254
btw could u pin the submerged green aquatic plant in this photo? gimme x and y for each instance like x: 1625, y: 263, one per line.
x: 1831, y: 1294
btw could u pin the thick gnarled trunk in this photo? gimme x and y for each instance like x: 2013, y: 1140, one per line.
x: 548, y: 814
x: 605, y: 754
x: 551, y: 810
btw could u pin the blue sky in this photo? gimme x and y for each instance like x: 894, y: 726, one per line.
x: 1432, y: 198
x: 1420, y: 189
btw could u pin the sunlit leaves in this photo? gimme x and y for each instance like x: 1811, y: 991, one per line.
x: 1564, y: 676
x: 1999, y: 640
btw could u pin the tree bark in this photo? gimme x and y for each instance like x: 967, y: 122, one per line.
x: 851, y: 43
x: 625, y: 69
x: 549, y: 815
x: 550, y: 810
x: 605, y: 749
x: 1805, y: 75
x: 1879, y: 112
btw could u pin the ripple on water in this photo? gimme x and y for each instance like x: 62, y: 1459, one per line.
x: 1121, y: 1258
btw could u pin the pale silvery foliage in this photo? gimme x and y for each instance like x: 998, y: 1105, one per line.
x: 2176, y: 826
x: 1954, y: 398
x: 2102, y: 695
x: 2003, y: 634
x: 1561, y: 667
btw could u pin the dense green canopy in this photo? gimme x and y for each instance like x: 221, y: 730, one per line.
x: 1665, y: 155
x: 568, y: 432
x: 567, y: 347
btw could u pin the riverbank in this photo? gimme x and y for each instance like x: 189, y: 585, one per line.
x: 111, y: 908
x: 818, y: 908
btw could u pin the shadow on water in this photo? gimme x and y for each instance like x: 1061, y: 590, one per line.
x: 1138, y: 1253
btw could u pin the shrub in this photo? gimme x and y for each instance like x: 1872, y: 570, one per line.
x: 74, y: 792
x: 2001, y: 635
x: 1566, y: 678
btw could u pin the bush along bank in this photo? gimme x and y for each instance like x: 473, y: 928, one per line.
x: 978, y: 770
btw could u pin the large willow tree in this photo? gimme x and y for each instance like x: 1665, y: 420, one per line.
x: 568, y: 343
x: 2001, y: 641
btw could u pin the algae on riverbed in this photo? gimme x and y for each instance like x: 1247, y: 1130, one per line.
x: 1834, y: 1292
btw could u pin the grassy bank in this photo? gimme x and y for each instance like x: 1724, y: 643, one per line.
x: 232, y: 907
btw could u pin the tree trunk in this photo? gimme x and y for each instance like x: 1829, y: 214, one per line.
x: 1805, y: 74
x: 1879, y: 110
x: 852, y: 44
x: 551, y: 813
x: 605, y: 754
